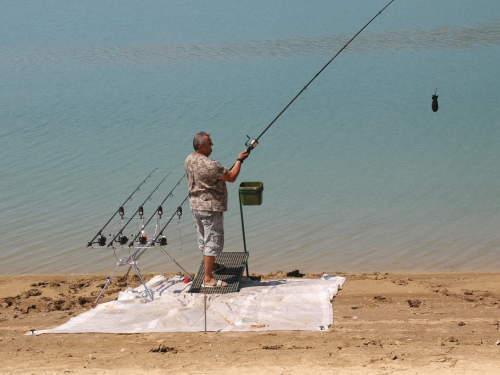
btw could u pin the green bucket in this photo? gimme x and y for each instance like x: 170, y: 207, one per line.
x: 251, y: 193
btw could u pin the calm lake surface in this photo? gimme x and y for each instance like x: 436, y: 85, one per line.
x: 359, y: 173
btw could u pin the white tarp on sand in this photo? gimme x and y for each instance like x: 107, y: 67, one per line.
x: 298, y: 304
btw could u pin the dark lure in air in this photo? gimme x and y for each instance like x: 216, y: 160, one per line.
x: 435, y: 104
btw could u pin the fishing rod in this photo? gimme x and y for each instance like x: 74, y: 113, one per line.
x: 163, y: 239
x: 159, y: 210
x: 252, y: 143
x: 102, y: 239
x: 123, y: 239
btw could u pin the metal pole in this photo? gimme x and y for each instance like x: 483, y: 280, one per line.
x: 205, y: 308
x: 243, y: 231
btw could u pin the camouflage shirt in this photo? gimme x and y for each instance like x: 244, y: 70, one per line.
x: 207, y: 192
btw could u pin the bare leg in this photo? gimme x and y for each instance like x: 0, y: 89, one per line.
x: 209, y: 267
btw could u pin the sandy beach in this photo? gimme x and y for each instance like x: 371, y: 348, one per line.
x: 384, y: 323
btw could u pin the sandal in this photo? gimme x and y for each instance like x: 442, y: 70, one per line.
x: 218, y: 267
x: 219, y: 283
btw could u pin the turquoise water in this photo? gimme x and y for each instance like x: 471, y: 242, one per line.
x: 359, y: 174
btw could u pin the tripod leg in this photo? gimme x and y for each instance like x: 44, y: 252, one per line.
x: 128, y: 271
x: 143, y: 283
x: 134, y: 257
x: 107, y: 283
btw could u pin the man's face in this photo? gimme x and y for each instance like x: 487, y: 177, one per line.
x: 207, y: 147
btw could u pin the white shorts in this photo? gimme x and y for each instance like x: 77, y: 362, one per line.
x: 210, y: 229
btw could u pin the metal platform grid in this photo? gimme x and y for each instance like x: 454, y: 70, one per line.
x: 235, y: 266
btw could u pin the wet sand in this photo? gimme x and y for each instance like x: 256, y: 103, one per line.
x: 384, y: 323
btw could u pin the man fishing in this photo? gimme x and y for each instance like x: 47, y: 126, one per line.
x: 208, y: 199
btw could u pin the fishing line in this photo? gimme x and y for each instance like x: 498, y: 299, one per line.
x: 252, y: 143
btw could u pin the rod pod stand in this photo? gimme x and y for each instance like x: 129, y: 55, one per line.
x: 132, y: 261
x: 133, y: 258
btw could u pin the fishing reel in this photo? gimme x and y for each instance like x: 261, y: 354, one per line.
x: 122, y: 240
x: 102, y: 241
x: 143, y: 239
x: 163, y: 241
x: 251, y: 144
x: 160, y: 240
